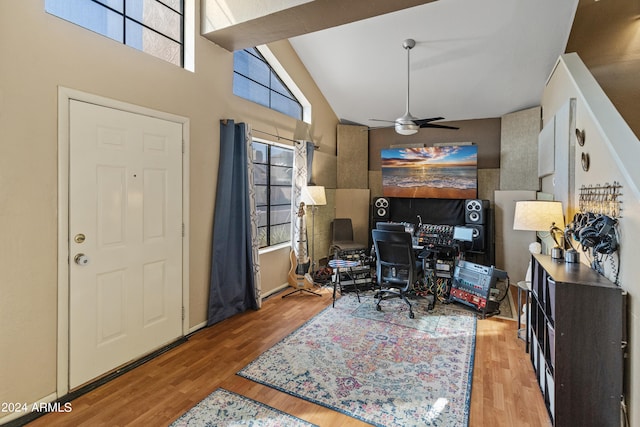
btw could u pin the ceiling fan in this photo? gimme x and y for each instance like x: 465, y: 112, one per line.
x: 408, y: 124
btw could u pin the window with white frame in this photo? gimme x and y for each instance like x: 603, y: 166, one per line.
x: 255, y: 79
x: 155, y: 27
x: 272, y: 178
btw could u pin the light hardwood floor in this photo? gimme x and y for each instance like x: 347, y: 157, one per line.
x: 504, y: 390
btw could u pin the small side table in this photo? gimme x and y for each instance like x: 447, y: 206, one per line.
x: 343, y: 266
x: 524, y: 287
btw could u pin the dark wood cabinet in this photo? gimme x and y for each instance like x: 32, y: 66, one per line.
x: 577, y: 329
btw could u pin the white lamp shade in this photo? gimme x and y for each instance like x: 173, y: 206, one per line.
x: 314, y: 195
x: 538, y: 215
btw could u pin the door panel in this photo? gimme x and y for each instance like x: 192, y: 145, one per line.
x: 125, y: 198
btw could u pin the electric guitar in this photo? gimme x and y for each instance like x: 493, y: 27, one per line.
x: 299, y: 276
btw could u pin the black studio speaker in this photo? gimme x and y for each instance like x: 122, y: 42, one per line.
x: 475, y: 211
x: 381, y: 208
x: 479, y: 237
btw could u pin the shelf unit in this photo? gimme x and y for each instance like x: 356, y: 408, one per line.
x: 577, y: 329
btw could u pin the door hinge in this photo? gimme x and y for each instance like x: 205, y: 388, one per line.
x: 183, y: 313
x: 183, y: 229
x: 182, y: 147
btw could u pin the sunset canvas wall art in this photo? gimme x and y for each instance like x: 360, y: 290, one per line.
x: 441, y: 172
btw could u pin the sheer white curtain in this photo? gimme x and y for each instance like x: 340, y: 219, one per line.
x: 301, y: 176
x: 255, y: 240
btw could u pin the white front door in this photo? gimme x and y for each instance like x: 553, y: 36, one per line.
x: 125, y: 237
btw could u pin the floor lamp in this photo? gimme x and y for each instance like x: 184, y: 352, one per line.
x: 313, y: 195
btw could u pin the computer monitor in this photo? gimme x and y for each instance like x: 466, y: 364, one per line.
x: 463, y: 234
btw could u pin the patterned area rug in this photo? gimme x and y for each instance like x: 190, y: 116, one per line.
x: 225, y: 408
x: 380, y: 367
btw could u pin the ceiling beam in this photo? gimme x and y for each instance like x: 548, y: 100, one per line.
x: 254, y: 26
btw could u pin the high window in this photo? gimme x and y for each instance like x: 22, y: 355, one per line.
x: 155, y: 27
x: 254, y: 79
x: 272, y: 177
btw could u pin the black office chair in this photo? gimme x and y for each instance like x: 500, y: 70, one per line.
x: 395, y: 265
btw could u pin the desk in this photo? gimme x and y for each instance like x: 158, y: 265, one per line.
x: 343, y: 266
x: 523, y: 286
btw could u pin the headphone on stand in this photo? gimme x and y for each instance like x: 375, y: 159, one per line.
x: 596, y: 232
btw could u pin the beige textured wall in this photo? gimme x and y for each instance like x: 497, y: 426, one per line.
x: 41, y: 52
x: 488, y: 183
x: 353, y: 156
x: 519, y: 150
x: 354, y: 203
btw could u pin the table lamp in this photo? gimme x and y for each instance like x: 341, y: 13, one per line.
x: 542, y: 215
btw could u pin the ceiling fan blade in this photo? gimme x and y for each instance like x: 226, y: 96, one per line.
x: 420, y: 122
x: 382, y: 120
x: 380, y: 127
x: 435, y: 125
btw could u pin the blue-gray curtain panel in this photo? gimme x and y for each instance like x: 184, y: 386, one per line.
x: 232, y: 287
x: 310, y: 149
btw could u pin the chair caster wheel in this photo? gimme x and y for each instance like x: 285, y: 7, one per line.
x: 378, y: 308
x: 411, y: 315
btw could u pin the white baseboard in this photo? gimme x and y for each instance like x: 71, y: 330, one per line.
x: 197, y: 327
x: 274, y: 291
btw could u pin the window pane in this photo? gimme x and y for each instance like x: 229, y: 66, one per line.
x: 259, y: 152
x: 281, y: 156
x: 280, y: 234
x: 273, y: 193
x: 261, y: 195
x: 251, y: 69
x: 260, y: 174
x: 153, y: 43
x: 280, y: 214
x: 262, y: 236
x: 250, y: 90
x: 281, y: 196
x: 89, y: 15
x: 114, y: 4
x: 250, y: 66
x: 157, y: 16
x: 278, y: 86
x: 262, y: 215
x: 160, y: 36
x: 286, y: 106
x: 281, y: 175
x: 173, y: 4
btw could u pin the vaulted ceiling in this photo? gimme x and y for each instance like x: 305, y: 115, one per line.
x: 473, y: 58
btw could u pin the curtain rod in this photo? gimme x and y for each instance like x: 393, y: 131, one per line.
x: 315, y: 147
x: 276, y: 136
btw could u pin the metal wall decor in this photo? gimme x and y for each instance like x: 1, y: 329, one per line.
x: 585, y: 159
x: 580, y: 137
x: 601, y: 199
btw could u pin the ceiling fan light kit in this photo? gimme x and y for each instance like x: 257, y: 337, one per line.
x: 405, y: 125
x: 408, y: 124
